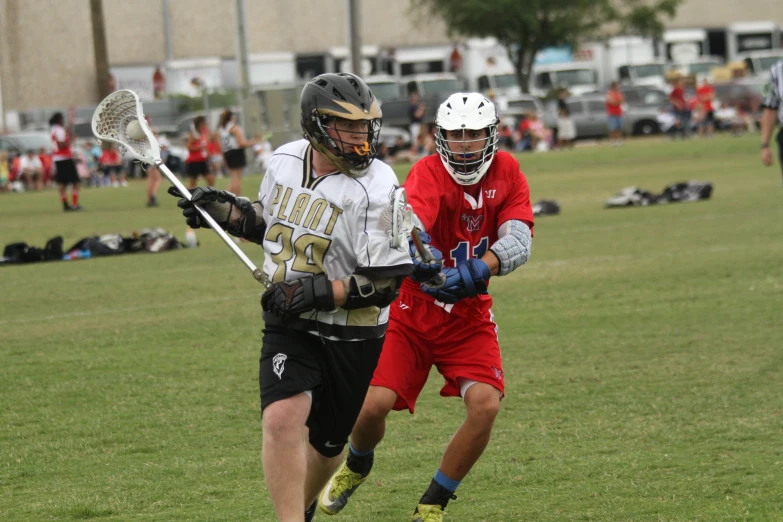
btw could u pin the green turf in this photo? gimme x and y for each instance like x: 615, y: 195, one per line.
x: 642, y: 353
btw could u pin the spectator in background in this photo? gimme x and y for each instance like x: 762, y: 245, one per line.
x: 110, y: 164
x: 31, y: 171
x: 64, y: 164
x: 416, y: 111
x: 215, y: 153
x: 153, y: 174
x: 681, y: 109
x: 234, y: 144
x: 455, y: 61
x: 46, y: 161
x: 196, y: 162
x: 263, y: 150
x: 506, y: 137
x: 5, y: 172
x: 614, y: 110
x: 541, y: 136
x: 91, y: 160
x: 706, y: 95
x: 566, y: 128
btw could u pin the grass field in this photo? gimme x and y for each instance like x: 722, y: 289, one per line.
x: 643, y: 359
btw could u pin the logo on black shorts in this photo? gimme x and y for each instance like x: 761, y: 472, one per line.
x: 278, y: 364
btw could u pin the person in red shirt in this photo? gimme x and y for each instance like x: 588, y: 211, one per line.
x: 474, y: 205
x: 614, y: 110
x: 196, y: 163
x: 111, y: 165
x: 46, y: 161
x: 66, y: 173
x: 706, y: 95
x: 680, y: 108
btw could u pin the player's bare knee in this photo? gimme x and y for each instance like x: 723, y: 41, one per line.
x: 378, y: 403
x: 482, y: 402
x: 285, y: 417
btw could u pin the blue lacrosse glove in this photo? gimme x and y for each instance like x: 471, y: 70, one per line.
x: 467, y: 279
x: 424, y: 271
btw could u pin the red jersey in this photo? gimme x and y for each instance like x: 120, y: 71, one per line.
x: 614, y: 103
x: 463, y: 221
x: 110, y: 157
x: 705, y: 93
x: 60, y: 135
x: 213, y: 148
x: 677, y: 97
x: 198, y: 150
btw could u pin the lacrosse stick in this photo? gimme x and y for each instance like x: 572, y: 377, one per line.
x: 111, y: 123
x: 403, y: 227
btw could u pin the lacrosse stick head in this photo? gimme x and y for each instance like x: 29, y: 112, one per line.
x: 110, y: 123
x: 397, y: 219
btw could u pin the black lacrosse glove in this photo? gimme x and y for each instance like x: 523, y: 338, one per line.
x: 424, y: 271
x: 217, y: 203
x: 289, y: 299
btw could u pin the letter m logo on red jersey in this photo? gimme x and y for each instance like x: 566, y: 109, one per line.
x: 473, y: 222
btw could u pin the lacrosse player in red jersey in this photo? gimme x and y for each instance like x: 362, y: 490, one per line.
x: 334, y: 274
x: 474, y: 205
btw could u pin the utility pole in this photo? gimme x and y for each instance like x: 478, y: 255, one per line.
x: 167, y: 30
x: 354, y: 40
x: 99, y: 44
x: 251, y: 105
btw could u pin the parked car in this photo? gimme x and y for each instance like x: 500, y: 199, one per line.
x: 18, y: 143
x: 591, y: 120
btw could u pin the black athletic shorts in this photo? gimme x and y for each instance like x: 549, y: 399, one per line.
x: 235, y: 158
x: 195, y: 169
x: 108, y: 169
x: 66, y: 172
x: 337, y: 372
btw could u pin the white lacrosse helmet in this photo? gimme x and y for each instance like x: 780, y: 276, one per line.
x: 466, y: 111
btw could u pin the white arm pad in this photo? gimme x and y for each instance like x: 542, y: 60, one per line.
x: 513, y: 245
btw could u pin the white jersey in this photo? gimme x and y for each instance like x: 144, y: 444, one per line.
x: 227, y: 140
x: 328, y: 224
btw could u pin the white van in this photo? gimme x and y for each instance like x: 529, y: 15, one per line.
x: 578, y: 78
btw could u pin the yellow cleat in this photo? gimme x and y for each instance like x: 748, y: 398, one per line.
x: 428, y: 513
x: 341, y: 486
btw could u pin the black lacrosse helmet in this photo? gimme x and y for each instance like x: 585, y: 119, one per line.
x: 341, y: 95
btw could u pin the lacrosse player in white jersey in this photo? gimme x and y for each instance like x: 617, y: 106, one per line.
x: 334, y: 275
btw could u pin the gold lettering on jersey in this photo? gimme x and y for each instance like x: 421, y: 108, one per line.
x: 310, y: 251
x: 278, y: 191
x: 332, y: 219
x: 300, y: 205
x: 284, y: 203
x: 282, y: 234
x: 315, y: 213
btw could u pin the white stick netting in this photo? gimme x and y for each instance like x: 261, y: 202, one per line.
x: 112, y: 118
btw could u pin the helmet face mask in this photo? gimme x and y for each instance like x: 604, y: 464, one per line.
x: 350, y: 145
x: 466, y: 136
x: 342, y: 120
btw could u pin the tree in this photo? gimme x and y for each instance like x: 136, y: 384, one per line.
x: 99, y: 45
x: 526, y: 27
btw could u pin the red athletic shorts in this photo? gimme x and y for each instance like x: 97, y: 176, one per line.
x: 422, y: 333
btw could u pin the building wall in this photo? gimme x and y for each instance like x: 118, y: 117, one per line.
x: 47, y: 58
x: 720, y: 13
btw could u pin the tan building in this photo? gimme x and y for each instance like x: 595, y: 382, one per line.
x: 47, y: 58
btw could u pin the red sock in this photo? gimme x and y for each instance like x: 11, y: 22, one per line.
x: 63, y: 196
x: 75, y: 197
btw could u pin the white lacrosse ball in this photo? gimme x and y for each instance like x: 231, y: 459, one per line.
x: 134, y: 131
